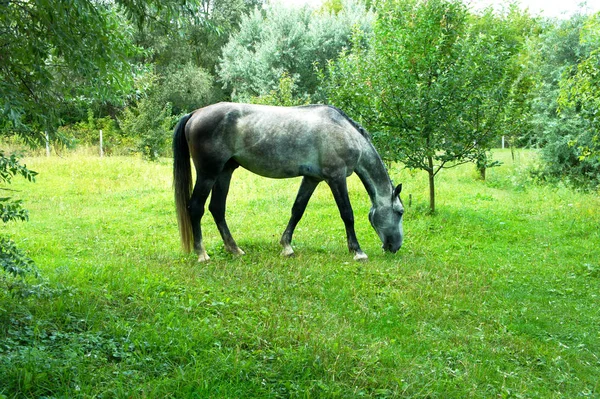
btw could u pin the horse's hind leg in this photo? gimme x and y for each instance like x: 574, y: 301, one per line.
x: 196, y: 210
x: 339, y: 189
x: 306, y: 190
x: 217, y: 207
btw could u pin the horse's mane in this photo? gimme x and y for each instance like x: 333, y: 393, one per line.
x: 355, y: 124
x: 358, y: 127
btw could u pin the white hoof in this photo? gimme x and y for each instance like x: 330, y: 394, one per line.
x: 360, y: 256
x: 287, y: 251
x: 203, y: 257
x: 237, y: 251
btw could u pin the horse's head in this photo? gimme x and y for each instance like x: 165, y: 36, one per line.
x: 386, y: 219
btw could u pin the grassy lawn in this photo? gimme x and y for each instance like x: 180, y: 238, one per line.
x: 496, y: 296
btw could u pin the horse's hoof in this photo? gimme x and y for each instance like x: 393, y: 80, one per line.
x: 203, y: 257
x: 235, y: 251
x: 287, y: 251
x: 238, y: 252
x: 360, y: 256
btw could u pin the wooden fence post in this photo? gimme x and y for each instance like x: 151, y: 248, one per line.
x: 101, y: 145
x: 47, y: 143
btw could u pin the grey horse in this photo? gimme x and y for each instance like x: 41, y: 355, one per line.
x: 318, y: 142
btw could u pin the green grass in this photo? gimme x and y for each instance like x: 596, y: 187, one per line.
x: 496, y: 296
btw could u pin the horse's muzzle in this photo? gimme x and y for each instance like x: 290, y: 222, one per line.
x: 389, y: 247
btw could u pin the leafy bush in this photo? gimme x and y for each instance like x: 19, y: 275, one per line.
x: 12, y: 260
x: 151, y: 123
x: 565, y: 107
x: 87, y: 133
x: 284, y: 95
x: 563, y: 157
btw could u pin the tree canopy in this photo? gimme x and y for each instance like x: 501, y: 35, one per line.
x: 54, y: 53
x: 431, y: 85
x: 287, y: 41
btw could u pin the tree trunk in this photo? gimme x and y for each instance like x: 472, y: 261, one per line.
x: 481, y: 164
x: 481, y: 170
x: 431, y: 173
x: 431, y: 192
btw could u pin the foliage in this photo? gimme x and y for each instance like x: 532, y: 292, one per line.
x: 286, y: 40
x: 484, y: 300
x: 152, y: 123
x: 87, y: 133
x: 12, y: 260
x: 564, y: 121
x: 203, y: 27
x: 186, y: 87
x: 283, y: 96
x: 150, y: 120
x: 429, y: 106
x: 55, y: 53
x: 582, y: 90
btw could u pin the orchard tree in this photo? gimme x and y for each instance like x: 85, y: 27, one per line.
x: 431, y: 86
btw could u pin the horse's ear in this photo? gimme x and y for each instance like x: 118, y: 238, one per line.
x: 398, y: 190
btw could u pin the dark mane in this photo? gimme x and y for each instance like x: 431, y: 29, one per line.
x: 358, y: 127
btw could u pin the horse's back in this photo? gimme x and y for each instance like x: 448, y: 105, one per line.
x: 277, y: 142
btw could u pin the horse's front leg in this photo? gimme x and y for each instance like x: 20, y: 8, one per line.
x: 217, y: 207
x: 339, y: 189
x: 196, y: 210
x: 307, y: 188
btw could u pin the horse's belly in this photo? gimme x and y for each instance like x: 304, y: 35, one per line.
x: 276, y: 168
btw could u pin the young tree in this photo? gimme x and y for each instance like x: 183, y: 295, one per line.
x: 432, y: 85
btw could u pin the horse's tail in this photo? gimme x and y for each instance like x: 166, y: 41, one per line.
x: 182, y: 182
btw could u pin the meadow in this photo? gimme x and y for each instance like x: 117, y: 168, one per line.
x: 495, y: 296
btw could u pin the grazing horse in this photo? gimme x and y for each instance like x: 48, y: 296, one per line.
x: 318, y: 142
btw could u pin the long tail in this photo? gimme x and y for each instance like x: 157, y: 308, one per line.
x: 182, y: 182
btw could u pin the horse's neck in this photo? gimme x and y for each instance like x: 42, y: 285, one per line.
x: 374, y: 176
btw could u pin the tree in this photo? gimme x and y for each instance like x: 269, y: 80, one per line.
x: 563, y: 109
x: 191, y: 32
x: 582, y: 90
x: 431, y: 86
x: 55, y: 53
x: 286, y: 41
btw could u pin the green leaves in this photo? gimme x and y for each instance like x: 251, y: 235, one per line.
x: 55, y: 53
x: 287, y: 41
x: 10, y: 166
x: 434, y: 81
x: 12, y: 260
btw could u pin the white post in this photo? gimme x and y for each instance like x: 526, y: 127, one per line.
x: 101, y: 144
x: 502, y: 142
x: 47, y: 144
